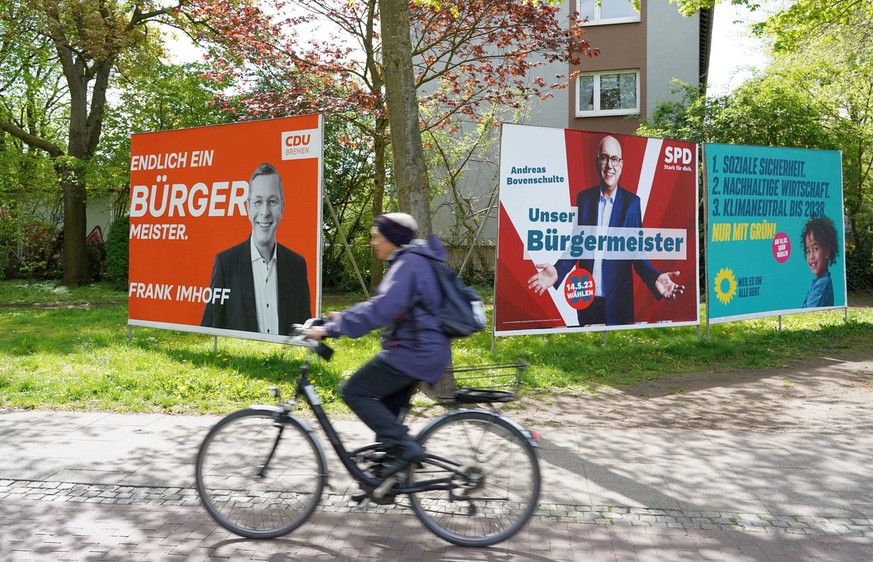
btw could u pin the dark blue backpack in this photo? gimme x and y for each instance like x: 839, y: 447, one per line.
x: 463, y: 312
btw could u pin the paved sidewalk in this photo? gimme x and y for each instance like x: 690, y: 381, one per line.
x: 101, y: 486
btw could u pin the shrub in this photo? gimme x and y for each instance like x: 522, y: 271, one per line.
x: 33, y: 253
x: 117, y: 258
x: 8, y: 241
x: 96, y: 249
x: 859, y: 269
x: 337, y: 274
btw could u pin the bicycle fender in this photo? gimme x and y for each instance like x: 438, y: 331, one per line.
x: 489, y: 413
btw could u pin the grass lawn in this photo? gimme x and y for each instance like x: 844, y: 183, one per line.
x: 69, y: 349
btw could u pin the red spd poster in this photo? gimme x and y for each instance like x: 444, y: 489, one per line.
x: 597, y: 231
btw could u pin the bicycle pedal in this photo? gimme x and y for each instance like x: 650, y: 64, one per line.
x: 358, y: 498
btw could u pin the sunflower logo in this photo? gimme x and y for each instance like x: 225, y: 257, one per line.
x: 726, y: 278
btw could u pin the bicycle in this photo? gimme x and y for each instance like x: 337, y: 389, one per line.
x: 261, y: 471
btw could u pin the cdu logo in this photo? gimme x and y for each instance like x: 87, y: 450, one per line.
x: 301, y: 144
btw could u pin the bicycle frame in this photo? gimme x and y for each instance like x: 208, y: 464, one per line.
x: 306, y: 390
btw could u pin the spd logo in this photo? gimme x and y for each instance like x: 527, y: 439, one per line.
x: 678, y: 158
x: 301, y: 144
x: 677, y: 155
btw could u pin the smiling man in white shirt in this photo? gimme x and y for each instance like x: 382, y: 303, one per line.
x: 267, y: 282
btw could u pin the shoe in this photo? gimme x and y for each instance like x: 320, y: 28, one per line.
x: 406, y: 454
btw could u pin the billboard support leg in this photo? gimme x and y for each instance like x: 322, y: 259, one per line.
x: 348, y: 249
x: 488, y: 210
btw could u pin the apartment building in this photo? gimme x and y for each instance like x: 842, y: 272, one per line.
x: 641, y: 53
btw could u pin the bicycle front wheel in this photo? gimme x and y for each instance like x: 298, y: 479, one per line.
x: 260, y: 474
x: 493, y: 477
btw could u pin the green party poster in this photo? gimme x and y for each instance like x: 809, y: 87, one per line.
x: 775, y: 240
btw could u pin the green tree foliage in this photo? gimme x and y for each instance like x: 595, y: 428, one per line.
x: 834, y: 70
x: 803, y: 21
x: 30, y: 96
x: 158, y: 97
x: 765, y: 111
x: 348, y: 172
x: 81, y: 42
x: 828, y: 57
x: 817, y: 93
x: 82, y: 45
x: 800, y: 20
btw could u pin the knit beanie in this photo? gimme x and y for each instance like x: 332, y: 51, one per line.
x: 397, y: 228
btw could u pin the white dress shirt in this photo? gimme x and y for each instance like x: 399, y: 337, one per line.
x: 266, y: 293
x: 604, y: 213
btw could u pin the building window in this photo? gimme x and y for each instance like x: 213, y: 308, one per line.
x: 606, y: 12
x: 608, y: 93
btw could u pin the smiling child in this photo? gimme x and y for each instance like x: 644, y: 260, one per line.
x: 820, y: 248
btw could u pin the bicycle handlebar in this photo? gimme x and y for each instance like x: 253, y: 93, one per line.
x: 298, y: 332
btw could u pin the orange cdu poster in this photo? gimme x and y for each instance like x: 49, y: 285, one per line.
x: 225, y: 226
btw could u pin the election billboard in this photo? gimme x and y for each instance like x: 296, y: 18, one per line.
x: 774, y: 233
x: 225, y: 226
x: 596, y: 231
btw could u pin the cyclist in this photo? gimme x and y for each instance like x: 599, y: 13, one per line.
x: 414, y: 348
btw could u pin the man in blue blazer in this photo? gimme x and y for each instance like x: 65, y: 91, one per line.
x: 266, y: 283
x: 609, y: 204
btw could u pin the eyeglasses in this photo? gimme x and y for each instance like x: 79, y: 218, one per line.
x: 604, y: 158
x: 274, y: 204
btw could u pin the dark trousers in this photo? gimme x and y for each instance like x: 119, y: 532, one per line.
x: 377, y: 393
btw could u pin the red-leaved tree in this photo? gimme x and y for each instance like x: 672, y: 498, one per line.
x: 326, y: 56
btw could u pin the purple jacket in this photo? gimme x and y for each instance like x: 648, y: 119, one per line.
x: 412, y: 341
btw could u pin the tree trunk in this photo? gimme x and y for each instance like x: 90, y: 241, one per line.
x: 380, y: 145
x: 74, y: 254
x: 410, y: 168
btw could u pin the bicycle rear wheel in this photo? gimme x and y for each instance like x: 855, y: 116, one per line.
x: 494, y: 475
x: 260, y: 474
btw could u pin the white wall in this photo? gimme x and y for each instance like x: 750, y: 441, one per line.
x: 667, y: 58
x: 480, y: 176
